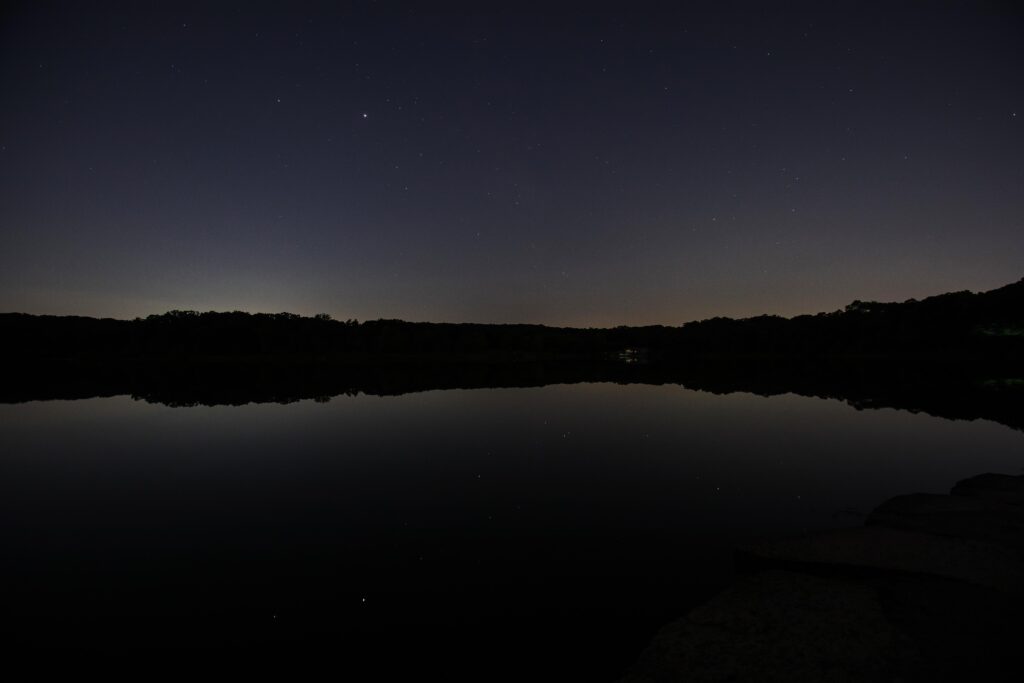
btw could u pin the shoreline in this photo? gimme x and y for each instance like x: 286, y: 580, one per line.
x: 929, y: 589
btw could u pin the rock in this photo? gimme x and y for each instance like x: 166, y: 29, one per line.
x: 974, y: 518
x: 880, y: 549
x: 960, y: 631
x: 779, y: 626
x: 999, y: 488
x: 931, y: 589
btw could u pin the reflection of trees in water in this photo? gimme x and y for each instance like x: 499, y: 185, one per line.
x: 956, y: 355
x: 952, y: 390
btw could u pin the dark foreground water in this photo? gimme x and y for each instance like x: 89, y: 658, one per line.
x: 482, y: 532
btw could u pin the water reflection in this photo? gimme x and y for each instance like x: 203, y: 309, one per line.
x: 569, y: 519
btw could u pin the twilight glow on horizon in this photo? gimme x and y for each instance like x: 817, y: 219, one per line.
x: 585, y: 164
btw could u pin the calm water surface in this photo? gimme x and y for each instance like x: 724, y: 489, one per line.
x: 561, y: 525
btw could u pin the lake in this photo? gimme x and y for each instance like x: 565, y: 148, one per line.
x: 489, y: 530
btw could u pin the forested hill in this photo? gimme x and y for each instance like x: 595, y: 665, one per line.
x: 958, y: 323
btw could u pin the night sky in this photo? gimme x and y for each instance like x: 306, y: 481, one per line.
x: 587, y: 164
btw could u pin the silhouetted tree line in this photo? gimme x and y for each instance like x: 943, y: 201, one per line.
x: 958, y: 323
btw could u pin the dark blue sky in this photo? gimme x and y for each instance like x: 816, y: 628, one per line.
x: 580, y: 164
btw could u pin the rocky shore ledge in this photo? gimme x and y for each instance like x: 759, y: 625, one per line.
x: 930, y: 589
